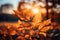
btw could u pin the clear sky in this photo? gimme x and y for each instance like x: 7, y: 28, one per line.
x: 14, y: 2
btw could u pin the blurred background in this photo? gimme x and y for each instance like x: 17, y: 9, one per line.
x: 18, y: 23
x: 13, y: 2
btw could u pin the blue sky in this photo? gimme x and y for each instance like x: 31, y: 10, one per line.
x: 14, y: 2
